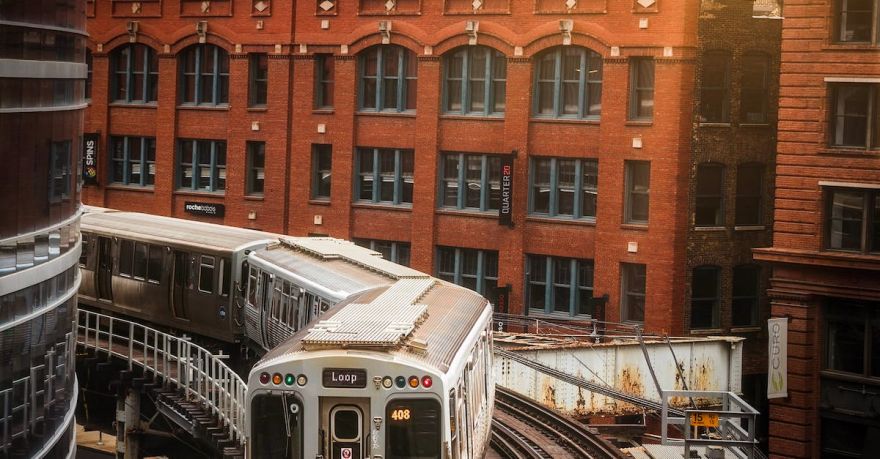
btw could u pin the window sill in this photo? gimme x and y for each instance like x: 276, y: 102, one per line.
x: 407, y: 114
x: 640, y: 123
x: 746, y: 329
x: 378, y: 206
x: 634, y: 226
x: 851, y: 377
x: 215, y: 108
x: 215, y: 194
x: 562, y: 220
x: 580, y: 121
x: 707, y: 124
x: 754, y: 125
x: 254, y: 197
x: 542, y: 315
x: 320, y: 202
x: 480, y: 117
x: 489, y: 214
x: 749, y: 228
x: 323, y: 111
x: 852, y: 46
x: 121, y: 187
x: 262, y: 109
x: 709, y: 228
x: 848, y: 151
x: 706, y: 331
x: 133, y: 104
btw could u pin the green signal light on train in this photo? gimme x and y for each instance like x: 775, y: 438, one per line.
x: 289, y: 379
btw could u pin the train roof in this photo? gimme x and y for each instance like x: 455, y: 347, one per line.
x: 160, y: 230
x: 442, y: 315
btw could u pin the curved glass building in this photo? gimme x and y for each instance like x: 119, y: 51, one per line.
x: 42, y: 82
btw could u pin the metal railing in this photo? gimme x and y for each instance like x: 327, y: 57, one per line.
x: 720, y: 427
x: 203, y: 377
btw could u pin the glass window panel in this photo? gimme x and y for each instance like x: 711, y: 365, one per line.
x: 846, y: 344
x: 590, y: 181
x: 847, y: 208
x: 850, y: 106
x: 140, y: 261
x: 154, y: 270
x: 541, y: 186
x: 565, y: 190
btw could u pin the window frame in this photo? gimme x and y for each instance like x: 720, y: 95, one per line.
x: 746, y: 170
x: 550, y: 285
x: 149, y: 74
x: 868, y: 224
x: 736, y: 297
x: 399, y: 251
x: 635, y: 73
x: 258, y: 80
x: 324, y: 81
x: 486, y: 182
x: 629, y: 273
x: 587, y: 56
x: 404, y: 81
x: 60, y: 171
x: 700, y: 196
x: 839, y: 18
x: 255, y: 173
x: 376, y: 175
x: 318, y: 174
x: 750, y: 61
x: 579, y: 189
x: 218, y: 172
x: 832, y: 314
x: 219, y: 79
x: 630, y: 191
x: 837, y: 123
x: 723, y: 87
x: 147, y: 146
x: 716, y: 299
x: 490, y: 81
x: 482, y: 277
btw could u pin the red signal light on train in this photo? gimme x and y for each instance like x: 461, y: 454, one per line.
x: 427, y: 382
x: 413, y: 381
x: 277, y: 378
x: 264, y: 378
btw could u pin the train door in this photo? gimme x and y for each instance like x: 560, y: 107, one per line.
x: 264, y: 301
x: 345, y: 428
x: 104, y: 271
x: 180, y: 284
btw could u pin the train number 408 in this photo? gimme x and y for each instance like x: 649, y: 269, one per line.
x: 400, y: 415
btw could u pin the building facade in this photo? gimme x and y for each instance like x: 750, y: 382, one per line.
x: 42, y: 84
x: 826, y: 241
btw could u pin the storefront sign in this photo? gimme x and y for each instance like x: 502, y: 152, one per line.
x: 204, y: 208
x: 505, y: 210
x: 90, y: 159
x: 777, y: 366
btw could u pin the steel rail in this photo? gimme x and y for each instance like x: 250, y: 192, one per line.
x: 506, y: 441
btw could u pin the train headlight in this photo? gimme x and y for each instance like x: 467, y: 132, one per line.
x: 400, y: 381
x: 302, y: 380
x: 276, y: 379
x: 264, y: 378
x: 387, y: 382
x: 413, y: 381
x: 289, y: 379
x: 427, y: 382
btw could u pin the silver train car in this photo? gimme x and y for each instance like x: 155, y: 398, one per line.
x: 222, y: 285
x: 402, y: 371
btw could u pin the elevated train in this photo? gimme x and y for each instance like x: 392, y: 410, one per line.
x: 397, y: 372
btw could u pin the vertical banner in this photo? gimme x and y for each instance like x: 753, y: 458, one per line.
x: 505, y: 210
x: 777, y: 352
x: 502, y: 299
x: 90, y: 159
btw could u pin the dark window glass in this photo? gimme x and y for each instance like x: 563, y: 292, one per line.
x: 324, y: 76
x: 715, y: 88
x: 749, y: 194
x: 322, y: 162
x: 140, y: 261
x: 754, y: 88
x: 852, y: 219
x: 135, y: 74
x: 89, y: 67
x: 638, y: 181
x: 60, y: 172
x: 346, y: 424
x: 847, y: 326
x: 855, y: 20
x: 471, y: 268
x: 397, y: 252
x: 388, y: 77
x: 745, y: 295
x: 416, y: 436
x: 204, y: 75
x: 633, y: 280
x: 259, y: 79
x: 855, y: 115
x: 476, y: 185
x: 271, y: 436
x: 201, y: 165
x: 704, y: 297
x: 564, y: 187
x: 154, y: 270
x: 256, y: 162
x: 133, y: 160
x: 126, y: 256
x: 568, y: 83
x: 571, y: 288
x: 641, y: 94
x: 710, y: 183
x: 206, y: 274
x: 474, y: 81
x: 384, y: 175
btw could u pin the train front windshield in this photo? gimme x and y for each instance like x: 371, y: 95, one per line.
x: 276, y: 427
x: 413, y: 429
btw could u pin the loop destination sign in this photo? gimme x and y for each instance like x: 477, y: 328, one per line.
x: 346, y: 378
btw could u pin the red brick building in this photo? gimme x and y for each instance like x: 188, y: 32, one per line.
x: 390, y: 123
x: 826, y: 241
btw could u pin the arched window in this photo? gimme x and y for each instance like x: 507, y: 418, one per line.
x: 709, y: 210
x: 704, y: 297
x: 135, y: 74
x: 475, y: 81
x: 568, y: 83
x: 204, y: 75
x: 715, y: 87
x: 387, y: 79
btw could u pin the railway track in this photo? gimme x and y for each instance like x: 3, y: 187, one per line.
x: 547, y: 434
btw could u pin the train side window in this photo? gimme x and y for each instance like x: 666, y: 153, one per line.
x: 206, y: 274
x: 225, y: 276
x: 252, y: 287
x: 276, y: 302
x: 154, y: 267
x: 126, y: 254
x: 139, y: 269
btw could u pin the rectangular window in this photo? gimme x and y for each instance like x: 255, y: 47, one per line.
x: 704, y: 297
x: 126, y: 257
x: 633, y: 280
x: 201, y: 165
x: 324, y: 75
x: 322, y: 162
x: 397, y: 252
x: 206, y: 274
x: 853, y: 219
x: 853, y: 338
x: 204, y: 75
x: 746, y: 279
x: 754, y: 88
x: 384, y: 175
x: 256, y: 168
x: 709, y: 208
x: 60, y: 172
x: 641, y: 88
x: 141, y: 259
x: 258, y: 69
x: 562, y: 187
x: 475, y: 79
x: 749, y: 194
x: 559, y: 285
x: 714, y: 88
x: 638, y: 181
x: 133, y: 161
x: 855, y: 115
x: 470, y: 181
x: 470, y: 268
x: 155, y: 267
x: 856, y: 22
x: 568, y: 83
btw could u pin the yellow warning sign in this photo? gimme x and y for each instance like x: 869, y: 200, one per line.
x: 704, y: 419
